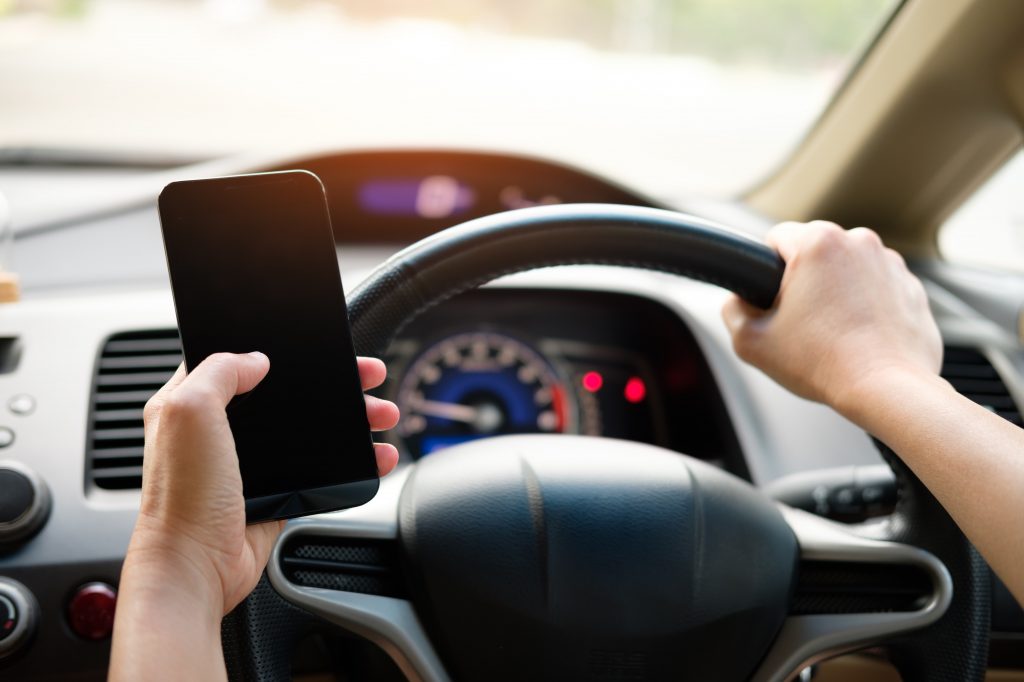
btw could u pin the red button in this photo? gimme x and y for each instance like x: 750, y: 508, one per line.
x: 91, y: 611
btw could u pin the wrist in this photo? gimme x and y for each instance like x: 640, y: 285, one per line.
x: 168, y: 617
x: 872, y: 397
x: 161, y: 565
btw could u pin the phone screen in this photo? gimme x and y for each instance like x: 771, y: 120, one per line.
x: 253, y: 266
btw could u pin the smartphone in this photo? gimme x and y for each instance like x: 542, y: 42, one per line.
x: 253, y: 267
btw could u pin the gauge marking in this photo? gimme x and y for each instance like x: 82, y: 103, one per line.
x: 476, y: 385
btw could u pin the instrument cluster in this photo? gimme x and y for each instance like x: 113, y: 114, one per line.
x: 502, y: 361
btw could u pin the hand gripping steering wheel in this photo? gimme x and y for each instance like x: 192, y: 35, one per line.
x: 574, y: 558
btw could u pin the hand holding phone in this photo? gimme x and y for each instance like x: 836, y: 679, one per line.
x: 253, y: 267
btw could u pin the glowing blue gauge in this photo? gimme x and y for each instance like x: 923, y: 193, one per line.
x: 478, y: 385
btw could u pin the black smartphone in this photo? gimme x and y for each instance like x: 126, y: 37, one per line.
x: 253, y: 266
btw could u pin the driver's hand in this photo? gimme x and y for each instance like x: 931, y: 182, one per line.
x: 192, y: 524
x: 848, y: 309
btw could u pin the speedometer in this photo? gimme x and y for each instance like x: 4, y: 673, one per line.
x: 478, y: 385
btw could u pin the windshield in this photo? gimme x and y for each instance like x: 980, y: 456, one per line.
x: 673, y: 96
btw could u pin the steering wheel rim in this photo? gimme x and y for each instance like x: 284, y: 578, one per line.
x: 259, y: 635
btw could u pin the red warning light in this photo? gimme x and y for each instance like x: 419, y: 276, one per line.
x: 593, y: 381
x: 635, y: 390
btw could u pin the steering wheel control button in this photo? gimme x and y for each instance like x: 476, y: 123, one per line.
x: 6, y: 437
x: 18, y: 615
x: 22, y: 404
x: 24, y: 503
x: 91, y: 611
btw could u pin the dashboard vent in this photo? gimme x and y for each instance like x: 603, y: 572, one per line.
x: 132, y: 367
x: 346, y: 564
x: 973, y: 376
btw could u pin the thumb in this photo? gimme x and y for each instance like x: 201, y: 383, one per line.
x: 225, y: 375
x: 744, y: 323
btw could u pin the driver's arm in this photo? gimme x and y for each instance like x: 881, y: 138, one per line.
x: 851, y: 328
x: 192, y: 558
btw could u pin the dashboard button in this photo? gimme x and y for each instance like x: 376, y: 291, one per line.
x: 9, y: 617
x: 16, y: 495
x: 6, y: 436
x: 22, y: 404
x: 24, y: 503
x: 91, y: 611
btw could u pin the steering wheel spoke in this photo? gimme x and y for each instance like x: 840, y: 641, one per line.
x: 852, y: 592
x: 332, y: 579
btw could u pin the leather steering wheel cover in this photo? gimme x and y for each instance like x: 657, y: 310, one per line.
x: 466, y: 256
x: 471, y: 254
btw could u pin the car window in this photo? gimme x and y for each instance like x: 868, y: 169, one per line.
x: 673, y: 96
x: 988, y: 229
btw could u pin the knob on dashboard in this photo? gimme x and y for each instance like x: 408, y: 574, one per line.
x: 18, y: 614
x: 24, y: 503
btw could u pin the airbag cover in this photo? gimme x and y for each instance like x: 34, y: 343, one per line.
x: 564, y: 557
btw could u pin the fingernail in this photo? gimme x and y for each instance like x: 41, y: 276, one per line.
x: 256, y: 354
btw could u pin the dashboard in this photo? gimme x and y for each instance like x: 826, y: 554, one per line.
x: 407, y: 195
x: 593, y: 350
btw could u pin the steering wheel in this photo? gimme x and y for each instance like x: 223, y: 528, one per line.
x: 574, y: 558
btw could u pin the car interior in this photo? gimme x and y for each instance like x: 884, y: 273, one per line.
x: 591, y: 485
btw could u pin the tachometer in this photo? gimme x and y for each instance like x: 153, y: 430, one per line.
x: 477, y: 385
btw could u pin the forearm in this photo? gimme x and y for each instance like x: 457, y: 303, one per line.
x: 971, y: 459
x: 168, y: 623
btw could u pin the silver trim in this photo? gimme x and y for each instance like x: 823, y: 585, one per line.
x: 389, y: 623
x: 805, y: 640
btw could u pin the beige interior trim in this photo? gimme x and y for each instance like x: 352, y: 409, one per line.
x: 933, y: 110
x: 861, y: 667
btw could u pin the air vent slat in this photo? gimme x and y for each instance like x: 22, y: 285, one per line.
x: 116, y: 453
x: 131, y: 368
x: 118, y: 434
x: 142, y: 346
x: 159, y: 362
x: 139, y: 379
x: 117, y: 416
x: 118, y: 472
x: 974, y: 377
x: 125, y: 397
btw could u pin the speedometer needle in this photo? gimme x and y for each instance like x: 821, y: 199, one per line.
x: 454, y: 411
x: 484, y: 419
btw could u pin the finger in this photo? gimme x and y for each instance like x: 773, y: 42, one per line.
x: 382, y: 414
x: 742, y: 319
x: 156, y: 401
x: 788, y: 237
x: 738, y: 314
x: 172, y: 383
x: 225, y: 375
x: 897, y: 261
x: 372, y: 372
x: 387, y: 458
x: 867, y: 236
